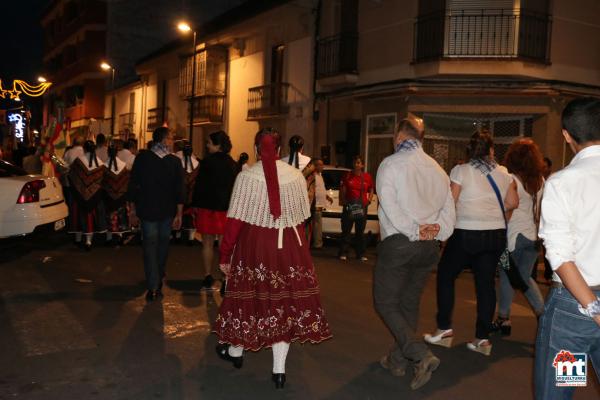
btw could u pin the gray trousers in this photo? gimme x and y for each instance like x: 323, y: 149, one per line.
x: 400, y: 274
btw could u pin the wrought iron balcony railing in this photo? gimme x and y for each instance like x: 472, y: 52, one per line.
x: 156, y: 117
x: 483, y: 34
x: 208, y: 109
x: 337, y: 55
x: 268, y: 101
x: 126, y: 121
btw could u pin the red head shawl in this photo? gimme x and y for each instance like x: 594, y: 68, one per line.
x: 268, y: 155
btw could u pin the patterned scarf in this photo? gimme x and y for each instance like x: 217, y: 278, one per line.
x: 160, y: 150
x: 484, y: 165
x: 407, y: 145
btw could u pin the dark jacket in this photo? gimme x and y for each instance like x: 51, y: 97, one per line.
x: 215, y: 182
x: 156, y: 186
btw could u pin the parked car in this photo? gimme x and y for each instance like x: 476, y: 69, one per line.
x: 29, y: 202
x: 332, y: 226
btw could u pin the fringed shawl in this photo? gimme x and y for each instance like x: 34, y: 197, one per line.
x: 250, y: 202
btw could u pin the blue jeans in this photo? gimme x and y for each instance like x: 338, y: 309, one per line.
x: 525, y: 256
x: 155, y: 243
x: 563, y: 327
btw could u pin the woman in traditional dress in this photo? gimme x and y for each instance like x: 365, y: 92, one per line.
x: 211, y: 196
x: 87, y: 208
x: 116, y: 179
x: 190, y: 165
x: 272, y: 295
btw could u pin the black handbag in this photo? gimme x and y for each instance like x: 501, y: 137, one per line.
x: 506, y: 262
x: 355, y: 208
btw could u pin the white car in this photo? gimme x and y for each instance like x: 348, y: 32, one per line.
x: 29, y: 202
x: 332, y: 226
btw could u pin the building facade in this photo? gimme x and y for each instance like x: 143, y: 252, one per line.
x: 254, y: 68
x: 341, y: 73
x: 507, y: 65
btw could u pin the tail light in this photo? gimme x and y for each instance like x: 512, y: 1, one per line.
x: 31, y: 192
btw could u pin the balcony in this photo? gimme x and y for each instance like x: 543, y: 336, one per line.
x: 208, y: 109
x: 481, y: 34
x: 126, y: 121
x: 337, y: 59
x: 268, y: 101
x: 156, y: 118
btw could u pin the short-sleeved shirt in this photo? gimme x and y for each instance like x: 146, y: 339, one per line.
x: 477, y: 207
x: 352, y: 183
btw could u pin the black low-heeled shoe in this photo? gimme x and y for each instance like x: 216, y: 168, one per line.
x: 279, y: 380
x: 223, y: 353
x: 502, y: 325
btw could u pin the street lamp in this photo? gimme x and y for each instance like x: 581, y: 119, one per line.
x: 107, y: 67
x: 186, y: 28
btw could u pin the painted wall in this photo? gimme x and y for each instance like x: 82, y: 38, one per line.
x: 299, y: 67
x: 244, y: 73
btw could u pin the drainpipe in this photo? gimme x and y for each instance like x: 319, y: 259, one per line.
x: 315, y: 112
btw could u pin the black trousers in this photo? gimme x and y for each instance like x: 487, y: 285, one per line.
x: 481, y: 251
x: 359, y: 231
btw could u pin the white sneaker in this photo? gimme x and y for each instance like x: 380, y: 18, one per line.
x: 482, y: 346
x: 343, y: 258
x: 441, y: 337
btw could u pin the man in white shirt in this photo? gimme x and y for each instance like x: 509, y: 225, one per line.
x: 570, y: 228
x: 322, y: 199
x: 416, y: 210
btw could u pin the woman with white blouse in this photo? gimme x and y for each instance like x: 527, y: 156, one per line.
x: 478, y: 240
x: 523, y: 160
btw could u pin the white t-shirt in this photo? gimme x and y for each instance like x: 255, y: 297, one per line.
x: 127, y: 157
x: 302, y: 161
x: 477, y: 207
x: 521, y: 220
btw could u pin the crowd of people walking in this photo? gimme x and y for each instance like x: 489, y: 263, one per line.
x: 483, y: 215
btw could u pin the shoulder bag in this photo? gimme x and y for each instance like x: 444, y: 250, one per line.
x: 506, y: 262
x: 355, y: 208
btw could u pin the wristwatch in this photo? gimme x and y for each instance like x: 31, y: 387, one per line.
x: 592, y: 310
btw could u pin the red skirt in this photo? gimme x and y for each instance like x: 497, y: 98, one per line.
x: 210, y: 222
x: 272, y: 294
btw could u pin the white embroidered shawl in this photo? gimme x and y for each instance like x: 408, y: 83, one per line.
x: 250, y: 201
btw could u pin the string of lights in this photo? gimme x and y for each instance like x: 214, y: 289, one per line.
x: 20, y: 86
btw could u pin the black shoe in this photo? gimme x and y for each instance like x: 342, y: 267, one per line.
x: 502, y: 325
x: 87, y: 247
x: 224, y: 355
x: 279, y: 380
x: 152, y: 295
x: 223, y: 288
x: 208, y: 281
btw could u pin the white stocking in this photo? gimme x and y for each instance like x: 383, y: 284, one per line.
x: 88, y: 238
x: 280, y: 350
x: 78, y: 236
x: 235, y: 351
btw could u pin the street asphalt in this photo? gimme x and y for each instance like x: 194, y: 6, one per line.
x: 75, y: 325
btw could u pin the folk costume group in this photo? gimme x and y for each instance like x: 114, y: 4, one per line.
x: 482, y: 211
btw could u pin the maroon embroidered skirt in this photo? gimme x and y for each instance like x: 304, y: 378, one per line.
x: 210, y: 222
x: 272, y: 294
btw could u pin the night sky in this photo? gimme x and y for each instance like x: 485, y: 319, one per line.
x: 21, y: 40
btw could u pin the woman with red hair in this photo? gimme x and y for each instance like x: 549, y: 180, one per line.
x: 272, y: 296
x: 524, y: 160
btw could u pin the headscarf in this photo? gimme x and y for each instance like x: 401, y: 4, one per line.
x: 268, y: 155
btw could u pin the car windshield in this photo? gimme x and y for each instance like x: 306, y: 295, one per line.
x: 332, y: 178
x: 8, y: 170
